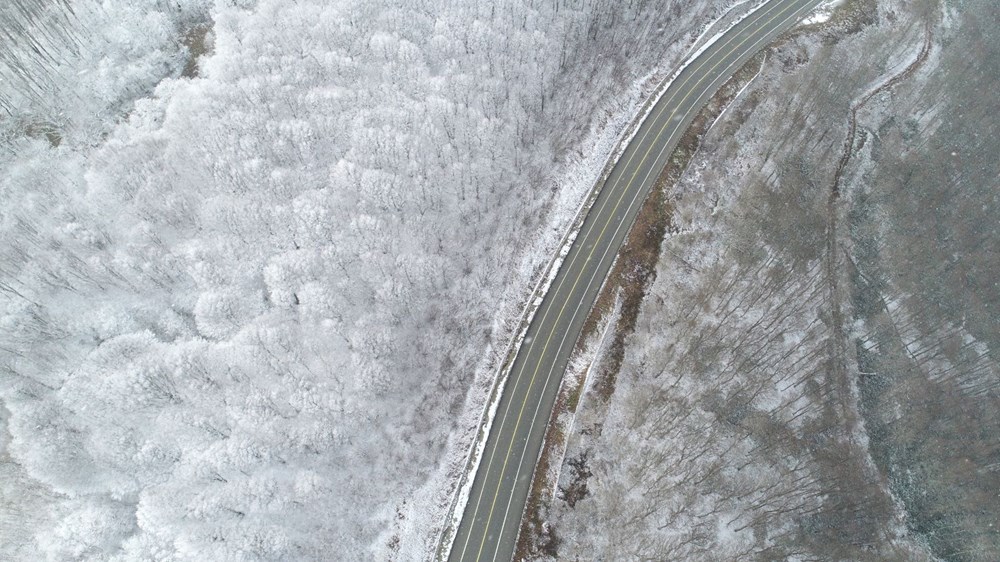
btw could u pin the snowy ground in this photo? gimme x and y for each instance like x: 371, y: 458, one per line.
x: 812, y: 375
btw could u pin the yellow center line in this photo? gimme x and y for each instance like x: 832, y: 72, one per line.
x: 601, y: 235
x: 593, y: 277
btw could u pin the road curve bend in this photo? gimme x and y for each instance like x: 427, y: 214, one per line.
x: 491, y: 519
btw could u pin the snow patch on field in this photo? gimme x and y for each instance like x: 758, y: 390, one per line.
x: 822, y: 13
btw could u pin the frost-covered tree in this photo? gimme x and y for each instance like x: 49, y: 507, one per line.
x: 242, y: 310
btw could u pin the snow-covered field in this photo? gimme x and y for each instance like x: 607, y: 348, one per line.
x: 254, y: 310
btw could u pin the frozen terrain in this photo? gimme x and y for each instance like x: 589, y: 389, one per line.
x: 258, y: 262
x: 812, y: 374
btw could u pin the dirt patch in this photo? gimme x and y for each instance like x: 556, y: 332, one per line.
x: 199, y: 43
x: 44, y: 130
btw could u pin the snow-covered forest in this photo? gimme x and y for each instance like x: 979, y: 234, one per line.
x: 258, y: 258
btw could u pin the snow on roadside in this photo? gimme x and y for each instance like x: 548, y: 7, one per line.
x: 822, y: 13
x: 581, y: 365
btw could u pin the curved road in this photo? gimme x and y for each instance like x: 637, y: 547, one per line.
x: 492, y: 517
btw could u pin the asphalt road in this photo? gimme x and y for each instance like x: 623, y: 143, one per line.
x: 489, y: 526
